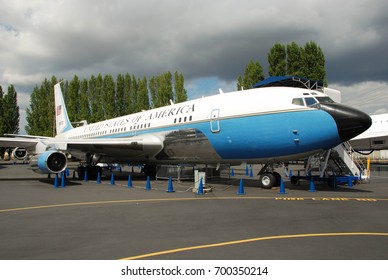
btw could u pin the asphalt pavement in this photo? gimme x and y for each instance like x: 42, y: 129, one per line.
x: 90, y: 220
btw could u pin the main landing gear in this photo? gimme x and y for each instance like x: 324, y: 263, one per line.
x: 268, y: 178
x: 90, y: 167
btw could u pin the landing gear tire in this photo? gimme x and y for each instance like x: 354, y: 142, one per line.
x: 267, y: 180
x: 92, y: 172
x: 294, y: 180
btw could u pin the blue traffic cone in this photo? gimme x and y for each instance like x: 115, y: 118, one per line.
x: 350, y: 182
x: 129, y: 181
x: 200, y: 187
x: 246, y: 170
x: 56, y: 181
x: 312, y: 186
x: 112, y: 179
x: 63, y: 180
x: 86, y: 175
x: 99, y: 178
x: 170, y: 187
x: 148, y: 184
x: 241, y: 188
x: 282, y: 188
x: 232, y: 173
x: 251, y: 172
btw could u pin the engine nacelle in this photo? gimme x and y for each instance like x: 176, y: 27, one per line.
x: 19, y: 153
x: 49, y: 162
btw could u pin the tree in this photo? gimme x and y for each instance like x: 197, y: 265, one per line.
x: 40, y: 115
x: 179, y: 87
x: 253, y: 74
x: 108, y: 97
x: 99, y: 98
x: 73, y: 99
x: 166, y: 89
x: 294, y: 60
x: 132, y: 98
x: 1, y: 112
x: 313, y: 62
x: 10, y: 112
x: 95, y: 98
x: 120, y: 93
x: 277, y: 60
x: 127, y: 93
x: 143, y: 101
x: 84, y: 108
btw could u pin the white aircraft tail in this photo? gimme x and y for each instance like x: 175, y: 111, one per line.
x: 62, y: 121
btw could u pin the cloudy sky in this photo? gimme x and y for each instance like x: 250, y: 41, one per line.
x: 210, y: 42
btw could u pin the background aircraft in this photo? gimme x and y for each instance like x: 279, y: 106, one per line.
x: 375, y: 138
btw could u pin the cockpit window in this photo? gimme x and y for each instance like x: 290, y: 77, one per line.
x: 298, y: 101
x: 310, y: 101
x: 325, y: 99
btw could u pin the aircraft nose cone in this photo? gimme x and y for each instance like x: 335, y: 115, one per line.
x: 350, y: 121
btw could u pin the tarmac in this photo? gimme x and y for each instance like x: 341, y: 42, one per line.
x: 104, y: 221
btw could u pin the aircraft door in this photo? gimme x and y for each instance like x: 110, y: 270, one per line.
x: 215, y: 121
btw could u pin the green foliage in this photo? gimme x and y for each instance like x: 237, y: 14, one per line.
x: 9, y: 111
x: 253, y: 74
x: 314, y: 62
x: 101, y: 98
x: 179, y: 86
x: 294, y: 60
x: 143, y: 100
x: 1, y: 112
x: 307, y: 62
x: 161, y: 89
x: 40, y: 115
x: 72, y: 99
x: 108, y: 98
x: 277, y: 60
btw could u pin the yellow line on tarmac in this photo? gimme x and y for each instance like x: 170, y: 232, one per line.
x: 279, y: 198
x: 255, y: 240
x: 93, y: 203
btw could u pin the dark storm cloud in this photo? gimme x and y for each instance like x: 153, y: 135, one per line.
x: 198, y: 38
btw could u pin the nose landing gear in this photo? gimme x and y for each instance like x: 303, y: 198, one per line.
x: 268, y: 178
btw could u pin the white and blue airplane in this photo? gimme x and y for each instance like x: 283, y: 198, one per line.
x: 259, y: 125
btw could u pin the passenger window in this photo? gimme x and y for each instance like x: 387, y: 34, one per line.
x: 298, y: 101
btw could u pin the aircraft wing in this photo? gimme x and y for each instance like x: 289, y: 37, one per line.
x: 107, y: 149
x: 114, y: 149
x: 25, y: 141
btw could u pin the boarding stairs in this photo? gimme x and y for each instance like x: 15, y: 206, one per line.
x: 338, y: 162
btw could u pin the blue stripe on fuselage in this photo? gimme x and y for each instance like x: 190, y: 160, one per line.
x: 274, y: 135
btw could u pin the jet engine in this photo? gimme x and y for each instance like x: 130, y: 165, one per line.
x: 19, y: 153
x: 49, y: 162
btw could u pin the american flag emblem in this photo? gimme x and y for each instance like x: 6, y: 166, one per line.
x: 59, y: 110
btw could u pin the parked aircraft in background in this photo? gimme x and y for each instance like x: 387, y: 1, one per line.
x: 259, y: 125
x: 375, y: 138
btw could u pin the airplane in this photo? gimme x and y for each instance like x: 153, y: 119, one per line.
x: 375, y: 137
x: 258, y: 125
